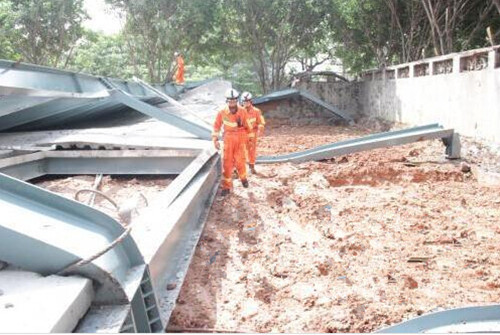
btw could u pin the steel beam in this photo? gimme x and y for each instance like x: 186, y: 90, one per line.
x: 182, y: 110
x: 56, y: 97
x: 187, y: 175
x: 108, y: 320
x: 29, y: 92
x: 381, y: 140
x: 112, y: 162
x: 43, y: 112
x: 36, y: 77
x: 168, y: 229
x: 171, y: 233
x: 481, y: 319
x: 166, y: 232
x: 58, y: 232
x: 162, y: 115
x: 278, y: 95
x: 109, y: 142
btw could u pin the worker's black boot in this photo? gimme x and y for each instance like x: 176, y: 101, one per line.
x: 224, y: 192
x: 252, y: 168
x: 244, y: 182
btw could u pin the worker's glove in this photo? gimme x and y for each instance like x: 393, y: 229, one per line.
x: 238, y: 121
x: 216, y: 144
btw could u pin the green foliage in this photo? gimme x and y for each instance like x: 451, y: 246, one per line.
x: 45, y: 30
x: 156, y: 29
x: 269, y: 34
x: 103, y: 55
x: 360, y: 31
x: 249, y: 42
x: 7, y: 18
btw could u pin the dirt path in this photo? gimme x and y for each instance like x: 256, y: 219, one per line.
x: 350, y: 245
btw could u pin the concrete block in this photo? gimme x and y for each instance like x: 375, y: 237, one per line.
x: 31, y: 303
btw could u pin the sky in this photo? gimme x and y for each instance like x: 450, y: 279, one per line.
x: 101, y: 18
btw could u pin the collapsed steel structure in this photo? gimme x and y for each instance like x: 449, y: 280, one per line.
x: 45, y: 116
x: 116, y: 277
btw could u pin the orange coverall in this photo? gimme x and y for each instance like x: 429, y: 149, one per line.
x: 257, y: 123
x: 236, y: 127
x: 179, y: 75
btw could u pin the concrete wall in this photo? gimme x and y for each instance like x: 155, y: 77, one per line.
x: 460, y: 91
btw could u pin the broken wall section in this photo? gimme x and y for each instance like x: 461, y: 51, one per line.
x: 343, y: 95
x: 297, y: 110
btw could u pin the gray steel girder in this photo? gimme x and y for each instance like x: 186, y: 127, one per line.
x: 380, y: 140
x: 112, y: 162
x: 162, y: 115
x: 44, y: 232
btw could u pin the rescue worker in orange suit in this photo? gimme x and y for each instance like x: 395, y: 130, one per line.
x: 257, y: 123
x: 234, y: 120
x: 179, y: 74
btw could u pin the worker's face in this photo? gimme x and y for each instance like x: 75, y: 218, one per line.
x: 248, y: 103
x: 232, y: 103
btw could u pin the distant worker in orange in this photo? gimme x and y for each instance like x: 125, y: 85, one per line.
x: 234, y: 119
x: 179, y: 74
x: 257, y: 123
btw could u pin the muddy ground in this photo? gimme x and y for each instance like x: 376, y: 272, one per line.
x: 348, y: 245
x: 120, y: 190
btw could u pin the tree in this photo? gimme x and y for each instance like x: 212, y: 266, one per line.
x: 362, y: 33
x: 6, y: 26
x: 458, y: 24
x: 103, y: 55
x: 374, y: 33
x: 270, y: 33
x: 46, y: 30
x: 408, y: 18
x: 154, y: 30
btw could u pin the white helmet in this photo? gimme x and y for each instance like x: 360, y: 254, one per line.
x: 231, y: 94
x: 246, y: 96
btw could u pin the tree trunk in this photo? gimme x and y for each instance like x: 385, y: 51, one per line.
x: 497, y: 5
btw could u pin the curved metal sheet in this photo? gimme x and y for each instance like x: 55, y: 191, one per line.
x: 58, y: 232
x: 482, y: 319
x: 36, y: 97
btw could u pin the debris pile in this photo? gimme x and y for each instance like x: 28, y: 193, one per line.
x: 352, y: 244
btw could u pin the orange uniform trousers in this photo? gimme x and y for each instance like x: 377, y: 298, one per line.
x: 252, y: 147
x: 234, y: 156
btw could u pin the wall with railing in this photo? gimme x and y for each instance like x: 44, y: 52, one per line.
x: 460, y: 91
